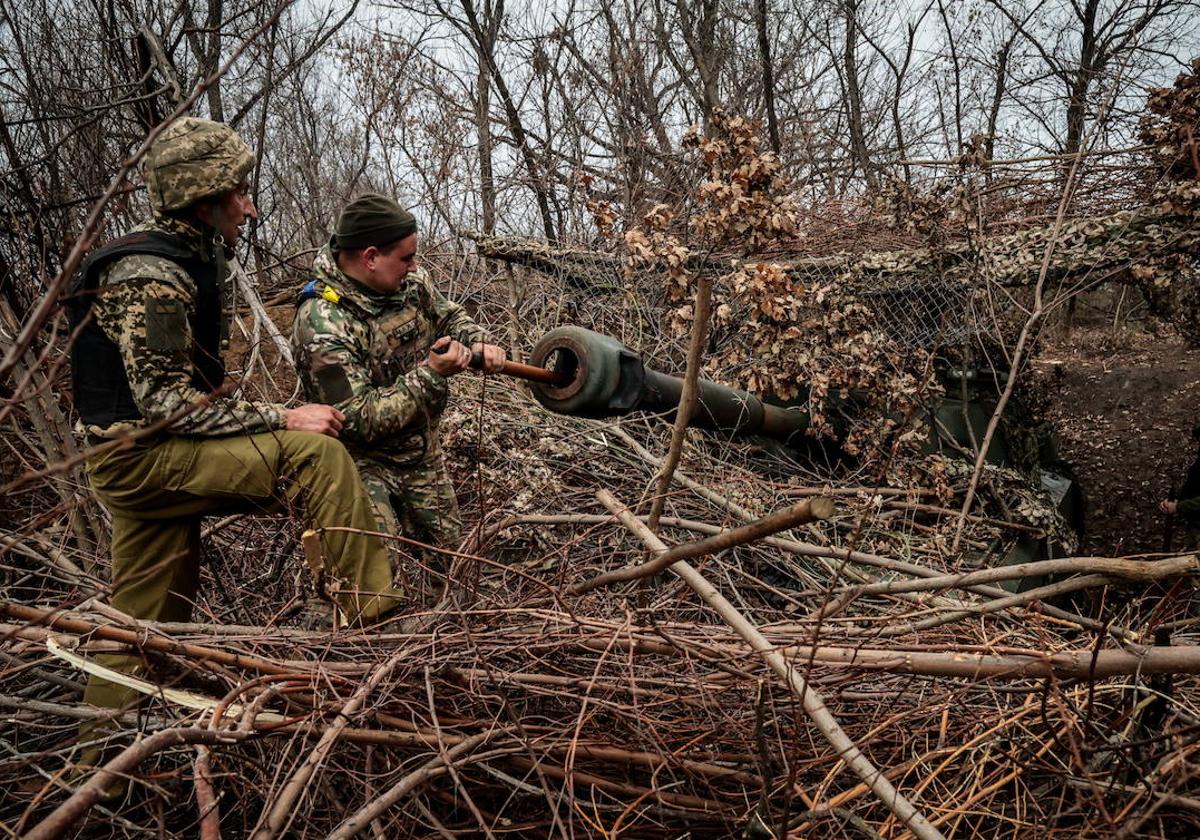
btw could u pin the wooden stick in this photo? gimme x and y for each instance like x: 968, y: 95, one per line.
x: 53, y: 619
x: 259, y: 312
x: 206, y: 798
x: 283, y: 811
x: 1139, y: 570
x: 798, y: 514
x: 1041, y: 593
x: 436, y: 766
x: 314, y: 556
x: 1034, y: 664
x: 67, y: 814
x: 812, y: 702
x: 688, y: 396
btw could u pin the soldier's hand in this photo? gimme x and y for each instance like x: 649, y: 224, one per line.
x: 314, y: 417
x: 448, y: 356
x: 493, y: 356
x: 1167, y: 506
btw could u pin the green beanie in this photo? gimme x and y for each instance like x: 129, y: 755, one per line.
x: 372, y: 220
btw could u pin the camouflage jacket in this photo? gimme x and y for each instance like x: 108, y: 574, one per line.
x: 160, y: 375
x: 362, y: 351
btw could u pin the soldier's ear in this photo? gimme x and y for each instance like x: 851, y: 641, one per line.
x: 369, y: 255
x: 203, y: 211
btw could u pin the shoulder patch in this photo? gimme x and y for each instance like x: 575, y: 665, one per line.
x: 334, y: 384
x: 308, y: 292
x: 144, y: 267
x: 318, y: 289
x: 166, y: 324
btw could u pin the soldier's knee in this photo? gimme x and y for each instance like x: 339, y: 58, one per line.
x: 319, y: 460
x: 317, y: 447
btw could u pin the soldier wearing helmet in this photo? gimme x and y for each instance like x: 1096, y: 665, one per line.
x: 150, y: 320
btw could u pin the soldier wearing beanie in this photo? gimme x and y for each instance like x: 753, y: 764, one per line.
x: 151, y: 323
x: 364, y: 337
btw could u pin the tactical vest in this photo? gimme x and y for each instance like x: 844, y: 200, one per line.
x: 399, y: 339
x: 98, y: 379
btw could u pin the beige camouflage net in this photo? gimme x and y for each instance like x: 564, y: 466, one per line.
x: 921, y: 295
x: 823, y: 327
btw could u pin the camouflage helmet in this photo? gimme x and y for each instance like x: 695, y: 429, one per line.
x: 193, y: 159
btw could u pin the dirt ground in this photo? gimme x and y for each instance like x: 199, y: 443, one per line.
x: 1124, y: 405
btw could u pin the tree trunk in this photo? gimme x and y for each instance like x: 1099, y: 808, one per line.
x: 213, y: 59
x: 1077, y: 96
x: 483, y: 127
x: 858, y: 140
x: 768, y: 73
x: 512, y: 116
x: 998, y: 91
x: 958, y: 115
x: 699, y: 33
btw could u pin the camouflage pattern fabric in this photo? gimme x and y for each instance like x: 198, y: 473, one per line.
x: 192, y: 159
x: 143, y: 305
x: 417, y: 502
x: 363, y: 351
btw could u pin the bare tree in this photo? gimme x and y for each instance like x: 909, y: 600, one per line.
x: 1078, y: 47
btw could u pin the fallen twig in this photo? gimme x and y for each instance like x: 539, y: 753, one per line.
x: 798, y: 514
x: 68, y: 813
x: 828, y: 726
x: 283, y: 811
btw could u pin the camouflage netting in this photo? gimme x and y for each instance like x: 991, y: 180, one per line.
x: 818, y: 328
x: 923, y: 296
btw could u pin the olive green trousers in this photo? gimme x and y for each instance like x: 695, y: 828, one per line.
x: 158, y: 491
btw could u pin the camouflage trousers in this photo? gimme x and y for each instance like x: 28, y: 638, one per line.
x: 157, y: 492
x: 416, y: 502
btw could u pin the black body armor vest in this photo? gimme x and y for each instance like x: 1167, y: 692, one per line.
x: 98, y: 379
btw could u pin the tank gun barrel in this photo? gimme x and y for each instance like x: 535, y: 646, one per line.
x: 597, y: 376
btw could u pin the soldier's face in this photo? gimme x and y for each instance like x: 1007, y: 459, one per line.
x: 230, y: 212
x: 388, y: 269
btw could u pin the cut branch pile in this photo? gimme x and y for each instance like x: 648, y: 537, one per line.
x: 537, y: 696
